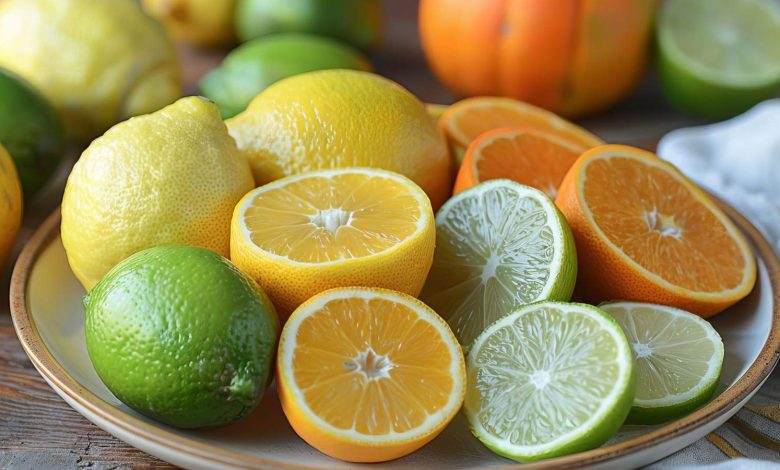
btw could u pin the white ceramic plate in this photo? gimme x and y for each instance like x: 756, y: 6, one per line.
x: 48, y: 316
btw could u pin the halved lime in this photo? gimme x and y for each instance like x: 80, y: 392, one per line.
x: 499, y: 245
x: 549, y: 379
x: 717, y: 58
x: 678, y: 359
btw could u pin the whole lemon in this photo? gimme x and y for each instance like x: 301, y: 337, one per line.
x: 196, y: 22
x: 10, y: 204
x: 98, y: 61
x: 173, y: 176
x: 338, y: 119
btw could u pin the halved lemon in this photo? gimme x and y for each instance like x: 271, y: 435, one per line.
x: 368, y: 375
x: 304, y: 234
x: 645, y: 232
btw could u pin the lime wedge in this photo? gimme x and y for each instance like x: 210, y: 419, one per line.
x: 499, y: 245
x: 678, y: 359
x: 717, y: 58
x: 549, y: 379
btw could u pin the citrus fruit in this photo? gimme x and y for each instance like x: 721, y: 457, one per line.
x: 645, y: 232
x: 30, y: 130
x: 677, y: 359
x: 98, y: 62
x: 304, y: 234
x: 717, y: 58
x: 342, y: 118
x: 197, y: 22
x: 435, y: 110
x: 499, y: 245
x: 357, y: 22
x: 180, y: 335
x: 10, y: 205
x: 173, y: 176
x: 465, y: 120
x: 535, y: 158
x: 252, y: 67
x: 549, y: 379
x: 368, y: 375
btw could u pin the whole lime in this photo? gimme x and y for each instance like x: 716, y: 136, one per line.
x: 182, y: 336
x: 357, y: 22
x: 30, y: 130
x: 255, y: 65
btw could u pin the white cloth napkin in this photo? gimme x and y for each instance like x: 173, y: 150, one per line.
x: 738, y: 160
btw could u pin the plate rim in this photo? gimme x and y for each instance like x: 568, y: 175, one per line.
x: 58, y: 377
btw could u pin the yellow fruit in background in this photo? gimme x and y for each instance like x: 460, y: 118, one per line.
x: 197, y: 22
x: 342, y: 118
x: 173, y: 176
x: 10, y: 204
x: 304, y: 234
x: 98, y: 61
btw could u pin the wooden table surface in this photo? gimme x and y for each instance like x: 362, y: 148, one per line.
x: 39, y: 430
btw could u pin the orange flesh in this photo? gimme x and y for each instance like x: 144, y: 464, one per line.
x: 531, y: 159
x: 661, y: 225
x: 478, y: 118
x: 347, y: 216
x: 371, y: 365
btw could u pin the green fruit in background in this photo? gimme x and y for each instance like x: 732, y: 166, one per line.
x: 255, y: 65
x: 30, y: 130
x: 718, y: 58
x: 357, y: 22
x: 180, y: 335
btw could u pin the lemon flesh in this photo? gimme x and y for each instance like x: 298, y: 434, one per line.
x: 304, y: 234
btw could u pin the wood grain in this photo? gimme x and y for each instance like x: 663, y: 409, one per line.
x: 39, y: 430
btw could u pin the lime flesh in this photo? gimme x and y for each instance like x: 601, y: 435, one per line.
x: 499, y: 245
x: 678, y: 359
x: 549, y: 379
x: 717, y: 58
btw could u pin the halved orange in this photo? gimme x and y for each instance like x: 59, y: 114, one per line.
x: 645, y: 232
x: 368, y: 375
x: 467, y: 119
x: 534, y: 158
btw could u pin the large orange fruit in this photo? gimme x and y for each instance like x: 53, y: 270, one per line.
x: 467, y: 119
x: 645, y: 232
x: 534, y: 158
x: 573, y: 57
x: 368, y: 375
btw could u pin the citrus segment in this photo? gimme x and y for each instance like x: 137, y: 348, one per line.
x: 678, y: 358
x: 534, y: 158
x: 467, y: 119
x: 499, y: 245
x: 645, y: 232
x: 334, y: 228
x: 368, y: 375
x: 549, y: 379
